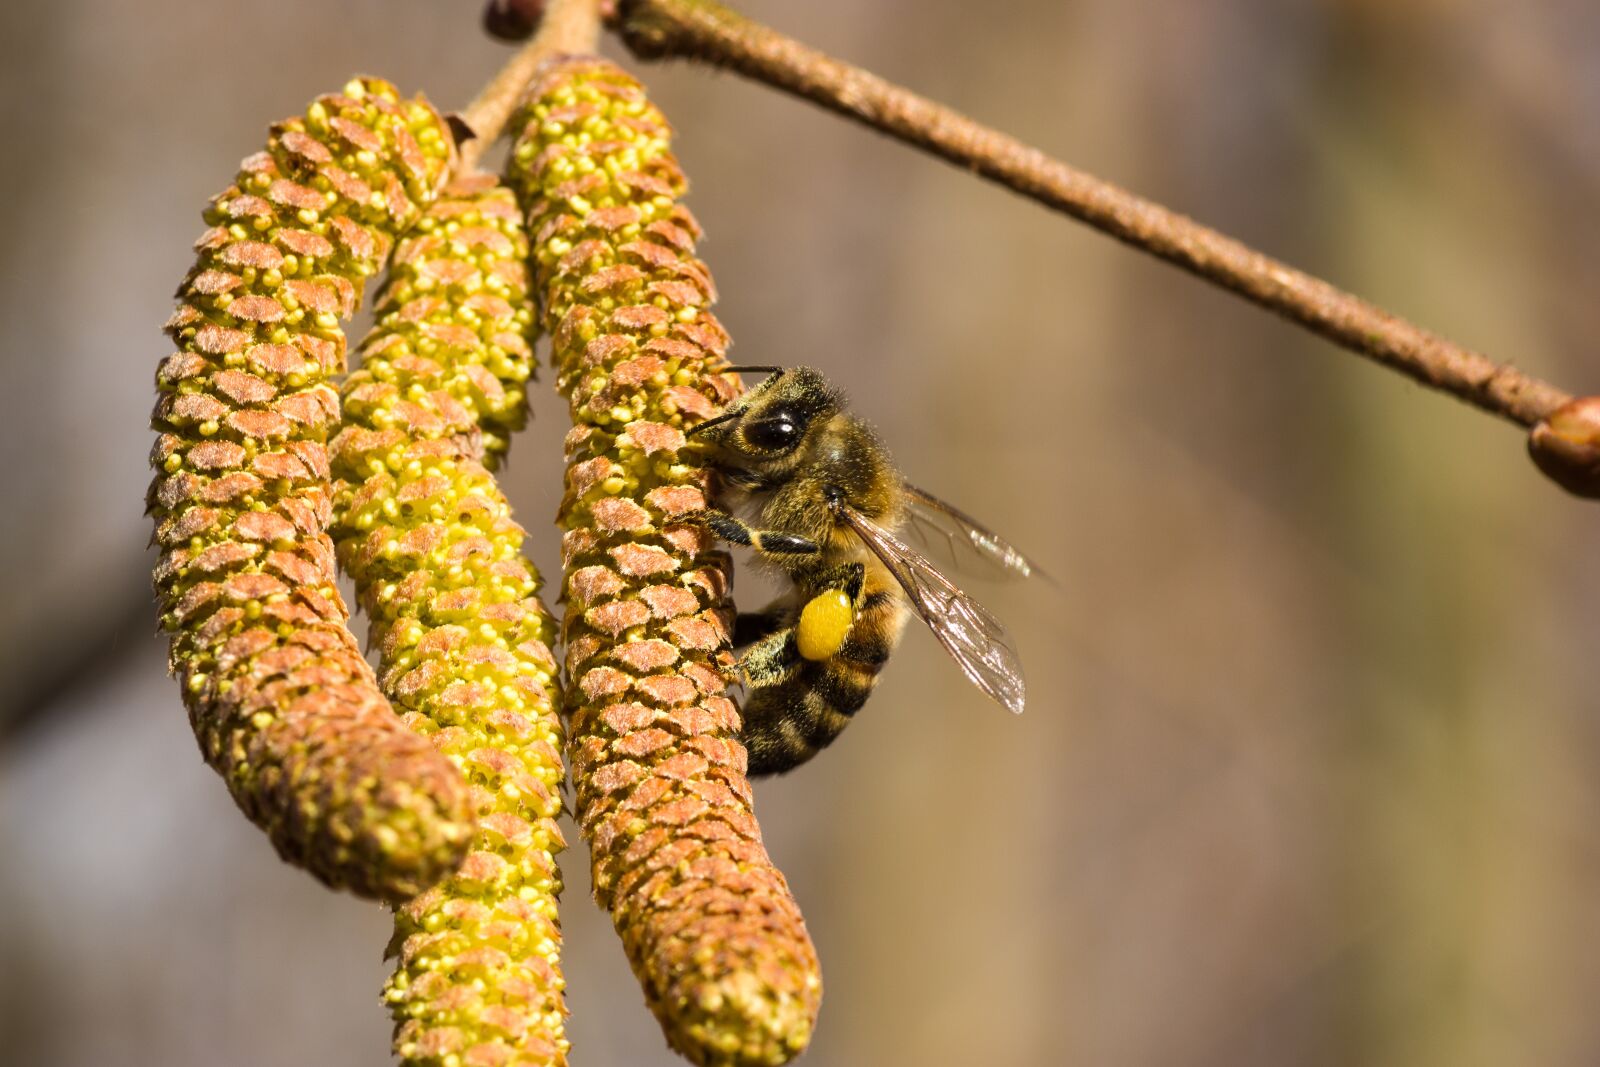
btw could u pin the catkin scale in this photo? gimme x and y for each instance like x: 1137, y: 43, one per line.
x: 428, y: 537
x: 281, y: 700
x: 708, y: 922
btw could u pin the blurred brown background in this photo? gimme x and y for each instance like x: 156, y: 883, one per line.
x: 1309, y: 773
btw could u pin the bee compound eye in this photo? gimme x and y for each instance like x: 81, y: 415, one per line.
x: 772, y: 434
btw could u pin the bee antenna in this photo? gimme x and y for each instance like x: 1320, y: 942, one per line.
x: 718, y: 421
x: 751, y: 370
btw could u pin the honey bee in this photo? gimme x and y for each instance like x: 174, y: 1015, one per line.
x: 827, y: 506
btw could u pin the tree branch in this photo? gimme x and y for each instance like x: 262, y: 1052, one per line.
x: 710, y: 33
x: 566, y: 27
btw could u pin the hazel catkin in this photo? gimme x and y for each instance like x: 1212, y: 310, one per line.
x: 438, y: 563
x: 281, y: 700
x: 710, y: 927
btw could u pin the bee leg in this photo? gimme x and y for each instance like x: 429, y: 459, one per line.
x: 778, y: 637
x: 772, y: 660
x: 827, y: 619
x: 849, y: 579
x: 738, y: 532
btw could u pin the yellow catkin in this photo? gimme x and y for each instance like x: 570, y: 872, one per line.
x: 281, y: 700
x: 709, y: 925
x: 428, y: 536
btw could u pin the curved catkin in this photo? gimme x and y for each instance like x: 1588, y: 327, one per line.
x: 426, y: 533
x: 281, y: 700
x: 708, y: 922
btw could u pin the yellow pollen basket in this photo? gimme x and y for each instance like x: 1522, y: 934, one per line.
x: 825, y: 622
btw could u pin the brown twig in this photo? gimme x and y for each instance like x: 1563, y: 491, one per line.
x: 569, y: 27
x: 711, y: 33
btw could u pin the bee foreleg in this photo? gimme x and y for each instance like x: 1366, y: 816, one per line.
x: 738, y: 532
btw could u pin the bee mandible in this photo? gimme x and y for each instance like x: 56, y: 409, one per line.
x: 826, y: 506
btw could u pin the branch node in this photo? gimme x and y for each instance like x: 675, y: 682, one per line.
x: 512, y: 20
x: 1565, y: 445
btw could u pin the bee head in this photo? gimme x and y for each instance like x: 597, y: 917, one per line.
x: 769, y: 424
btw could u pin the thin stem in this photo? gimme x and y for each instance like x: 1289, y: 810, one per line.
x: 569, y: 27
x: 710, y: 33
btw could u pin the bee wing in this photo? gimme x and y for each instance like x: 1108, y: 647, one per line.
x: 970, y: 546
x: 975, y: 639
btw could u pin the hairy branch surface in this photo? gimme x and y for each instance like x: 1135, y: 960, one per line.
x: 710, y: 33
